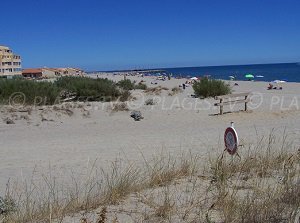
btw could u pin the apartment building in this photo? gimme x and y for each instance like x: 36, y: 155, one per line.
x: 10, y: 63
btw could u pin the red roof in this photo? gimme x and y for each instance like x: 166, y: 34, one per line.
x: 32, y: 71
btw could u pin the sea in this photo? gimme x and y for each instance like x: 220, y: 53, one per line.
x: 289, y: 72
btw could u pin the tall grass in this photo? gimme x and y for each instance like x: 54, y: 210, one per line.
x: 260, y: 185
x: 210, y: 88
x: 54, y: 199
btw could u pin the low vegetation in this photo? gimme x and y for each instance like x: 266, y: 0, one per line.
x: 20, y: 91
x: 211, y: 88
x: 150, y: 101
x: 261, y: 184
x: 28, y: 92
x: 175, y: 90
x: 119, y: 106
x: 129, y: 85
x: 126, y: 84
x: 156, y: 90
x: 88, y: 89
x: 140, y: 86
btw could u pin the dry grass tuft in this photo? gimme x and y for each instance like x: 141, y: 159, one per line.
x: 150, y: 101
x: 51, y: 199
x: 259, y: 186
x: 175, y: 90
x: 102, y: 216
x: 156, y: 90
x: 119, y: 106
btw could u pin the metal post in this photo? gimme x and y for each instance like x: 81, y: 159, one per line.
x: 221, y: 107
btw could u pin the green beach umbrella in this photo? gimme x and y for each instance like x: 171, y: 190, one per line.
x: 249, y: 76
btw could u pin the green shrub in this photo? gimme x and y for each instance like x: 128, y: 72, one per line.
x: 89, y: 89
x: 211, y: 88
x: 129, y: 85
x: 29, y: 92
x: 21, y: 91
x: 126, y: 84
x: 140, y: 86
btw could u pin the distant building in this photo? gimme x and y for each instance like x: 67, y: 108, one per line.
x: 45, y: 73
x: 69, y: 71
x: 10, y: 63
x: 40, y: 73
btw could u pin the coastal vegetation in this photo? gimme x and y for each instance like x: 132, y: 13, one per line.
x: 88, y: 89
x: 211, y: 88
x: 28, y: 92
x: 21, y: 91
x: 259, y: 185
x: 129, y: 85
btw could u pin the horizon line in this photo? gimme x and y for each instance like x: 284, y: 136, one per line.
x: 177, y: 67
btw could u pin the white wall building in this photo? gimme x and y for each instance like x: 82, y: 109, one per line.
x: 10, y: 63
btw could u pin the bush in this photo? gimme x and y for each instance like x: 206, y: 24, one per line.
x: 28, y: 92
x: 141, y: 86
x: 89, y: 89
x: 126, y: 84
x: 21, y: 91
x: 211, y: 88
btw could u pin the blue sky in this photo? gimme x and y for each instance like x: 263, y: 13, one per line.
x: 112, y: 34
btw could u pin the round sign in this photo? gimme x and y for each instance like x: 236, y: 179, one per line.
x: 231, y: 140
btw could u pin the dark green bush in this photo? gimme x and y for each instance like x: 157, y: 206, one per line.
x: 211, y: 88
x: 140, y: 86
x: 21, y: 91
x: 129, y: 85
x: 90, y: 89
x: 126, y: 84
x: 29, y: 92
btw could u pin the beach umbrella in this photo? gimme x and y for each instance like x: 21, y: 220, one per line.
x: 249, y: 76
x: 278, y: 82
x: 231, y: 77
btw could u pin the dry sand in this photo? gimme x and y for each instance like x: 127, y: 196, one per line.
x: 54, y: 137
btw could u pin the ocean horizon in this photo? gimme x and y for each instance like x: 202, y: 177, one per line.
x: 289, y: 72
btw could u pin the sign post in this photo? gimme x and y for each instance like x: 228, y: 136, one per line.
x: 231, y: 139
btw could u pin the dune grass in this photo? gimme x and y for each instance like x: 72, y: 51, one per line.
x: 260, y: 185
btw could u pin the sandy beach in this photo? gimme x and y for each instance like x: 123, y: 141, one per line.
x: 48, y: 137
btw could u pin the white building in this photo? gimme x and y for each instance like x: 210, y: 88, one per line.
x: 10, y: 63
